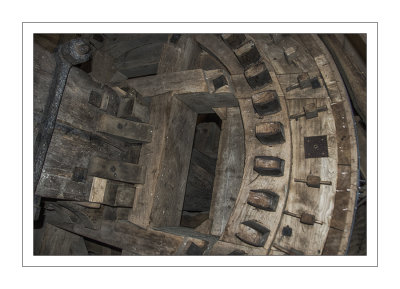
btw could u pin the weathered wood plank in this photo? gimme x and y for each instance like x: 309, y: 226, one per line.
x: 199, y: 182
x: 207, y: 62
x: 97, y: 190
x: 343, y: 206
x: 342, y: 130
x: 143, y: 60
x: 309, y: 239
x: 69, y: 149
x: 127, y: 236
x: 116, y: 170
x: 310, y: 44
x: 329, y: 72
x: 56, y: 241
x: 229, y: 170
x: 181, y: 82
x: 96, y: 248
x: 353, y: 78
x: 170, y: 189
x: 75, y: 109
x: 193, y: 220
x: 195, y: 88
x: 111, y: 193
x: 221, y: 112
x: 223, y: 248
x: 167, y: 159
x: 133, y: 109
x: 179, y: 56
x: 206, y: 139
x: 275, y: 54
x: 362, y: 148
x: 301, y: 198
x: 303, y: 59
x: 103, y: 68
x: 130, y: 131
x: 119, y: 44
x: 333, y: 243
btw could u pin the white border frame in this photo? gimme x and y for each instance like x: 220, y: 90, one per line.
x: 30, y: 28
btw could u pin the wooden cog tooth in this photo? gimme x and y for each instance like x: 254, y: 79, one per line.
x: 263, y: 199
x: 247, y: 54
x: 253, y: 233
x: 270, y: 133
x: 269, y: 166
x: 233, y: 40
x: 257, y: 76
x: 266, y: 102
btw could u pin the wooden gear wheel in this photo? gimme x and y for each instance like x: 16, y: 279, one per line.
x: 116, y: 172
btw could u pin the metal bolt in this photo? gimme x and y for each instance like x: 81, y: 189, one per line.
x: 287, y: 231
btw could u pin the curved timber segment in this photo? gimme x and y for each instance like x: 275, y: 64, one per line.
x: 314, y: 87
x: 262, y: 195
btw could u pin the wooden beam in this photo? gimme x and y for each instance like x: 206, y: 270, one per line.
x: 181, y: 82
x: 130, y: 131
x: 115, y: 170
x: 230, y: 159
x: 127, y: 236
x: 200, y: 90
x: 167, y: 159
x: 180, y: 55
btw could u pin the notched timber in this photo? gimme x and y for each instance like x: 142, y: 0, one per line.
x: 200, y: 90
x: 127, y: 130
x: 115, y: 170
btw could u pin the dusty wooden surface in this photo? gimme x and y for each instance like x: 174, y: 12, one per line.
x: 229, y: 170
x: 167, y: 157
x: 178, y: 56
x: 115, y: 170
x: 126, y: 130
x: 59, y: 242
x: 193, y: 87
x: 199, y: 182
x: 170, y: 189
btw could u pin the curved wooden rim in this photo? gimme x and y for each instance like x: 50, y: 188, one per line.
x: 335, y: 210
